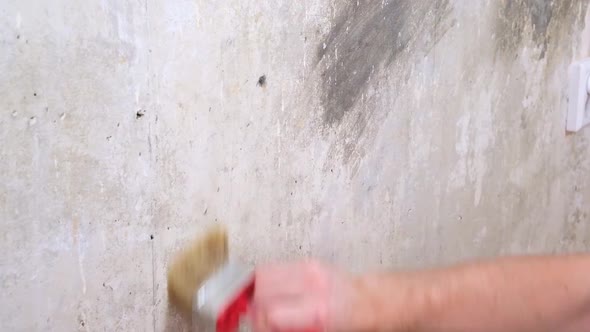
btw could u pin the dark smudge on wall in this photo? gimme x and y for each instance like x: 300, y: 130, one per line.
x: 539, y: 18
x: 366, y: 37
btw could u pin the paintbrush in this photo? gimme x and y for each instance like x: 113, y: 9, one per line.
x: 216, y: 293
x: 203, y: 284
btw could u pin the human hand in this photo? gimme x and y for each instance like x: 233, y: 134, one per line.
x: 306, y: 296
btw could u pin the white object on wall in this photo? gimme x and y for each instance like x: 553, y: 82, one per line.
x: 579, y: 106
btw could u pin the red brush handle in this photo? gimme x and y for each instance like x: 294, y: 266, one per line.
x: 229, y: 320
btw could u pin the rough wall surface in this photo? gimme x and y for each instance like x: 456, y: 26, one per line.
x: 389, y: 134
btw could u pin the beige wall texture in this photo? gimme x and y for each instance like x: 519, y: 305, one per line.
x: 371, y: 134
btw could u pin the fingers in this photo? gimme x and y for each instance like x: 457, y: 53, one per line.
x: 288, y: 315
x: 284, y: 280
x: 293, y: 316
x: 288, y: 297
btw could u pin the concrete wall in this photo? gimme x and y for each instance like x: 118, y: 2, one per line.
x: 385, y: 134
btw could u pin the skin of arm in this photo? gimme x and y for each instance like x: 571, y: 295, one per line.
x: 517, y: 294
x: 509, y: 294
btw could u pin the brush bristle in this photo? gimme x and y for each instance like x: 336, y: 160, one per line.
x: 195, y: 264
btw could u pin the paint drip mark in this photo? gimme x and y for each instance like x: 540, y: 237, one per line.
x: 153, y: 285
x: 78, y: 246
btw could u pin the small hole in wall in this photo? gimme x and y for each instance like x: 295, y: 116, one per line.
x: 261, y: 81
x: 35, y: 94
x: 151, y: 236
x: 139, y: 114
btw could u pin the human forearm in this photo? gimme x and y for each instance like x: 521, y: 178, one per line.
x: 511, y: 294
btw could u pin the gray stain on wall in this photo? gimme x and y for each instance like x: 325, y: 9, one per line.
x: 365, y: 38
x: 517, y: 17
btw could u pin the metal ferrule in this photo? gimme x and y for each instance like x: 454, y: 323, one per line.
x: 217, y: 294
